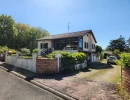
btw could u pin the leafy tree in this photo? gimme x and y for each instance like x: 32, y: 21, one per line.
x: 117, y: 52
x: 98, y: 49
x: 17, y: 36
x: 7, y: 31
x: 22, y: 37
x: 35, y: 33
x: 119, y: 43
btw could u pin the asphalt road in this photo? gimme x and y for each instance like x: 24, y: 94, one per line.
x: 14, y: 88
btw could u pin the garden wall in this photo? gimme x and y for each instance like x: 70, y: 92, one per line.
x: 126, y: 78
x: 28, y: 64
x: 47, y: 66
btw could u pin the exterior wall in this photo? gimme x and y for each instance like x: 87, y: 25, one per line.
x: 28, y: 64
x: 93, y: 57
x: 126, y: 78
x: 90, y: 40
x: 80, y: 66
x: 44, y: 41
x: 93, y: 42
x: 47, y: 66
x: 85, y: 39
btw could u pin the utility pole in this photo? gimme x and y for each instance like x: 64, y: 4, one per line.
x: 68, y: 27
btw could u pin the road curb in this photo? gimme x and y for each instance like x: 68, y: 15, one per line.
x: 64, y: 96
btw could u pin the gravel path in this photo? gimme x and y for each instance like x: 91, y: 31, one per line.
x: 96, y: 84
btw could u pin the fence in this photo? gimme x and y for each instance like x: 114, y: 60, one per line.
x: 37, y: 65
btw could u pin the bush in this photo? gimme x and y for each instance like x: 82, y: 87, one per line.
x: 12, y: 51
x: 35, y: 50
x: 3, y: 49
x: 68, y: 60
x: 80, y: 56
x: 25, y: 51
x: 124, y: 60
x: 52, y: 55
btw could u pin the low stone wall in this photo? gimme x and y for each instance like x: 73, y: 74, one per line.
x: 81, y: 66
x: 2, y: 57
x: 126, y: 78
x: 48, y: 66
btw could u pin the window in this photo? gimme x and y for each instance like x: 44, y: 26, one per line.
x: 44, y: 45
x: 85, y: 45
x: 93, y: 46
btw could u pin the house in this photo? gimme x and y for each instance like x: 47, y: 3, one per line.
x: 82, y: 41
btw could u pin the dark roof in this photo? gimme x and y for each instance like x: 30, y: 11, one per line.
x: 68, y: 35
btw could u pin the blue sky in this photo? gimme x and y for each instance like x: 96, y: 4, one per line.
x: 108, y: 19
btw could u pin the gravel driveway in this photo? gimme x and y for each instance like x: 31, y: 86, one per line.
x: 94, y: 84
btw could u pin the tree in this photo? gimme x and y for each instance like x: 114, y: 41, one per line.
x: 119, y: 43
x: 7, y: 31
x: 35, y: 33
x: 98, y: 49
x: 22, y: 37
x: 116, y: 51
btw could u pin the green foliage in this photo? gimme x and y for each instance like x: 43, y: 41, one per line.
x: 124, y: 60
x: 98, y: 49
x: 35, y: 50
x: 52, y: 55
x: 68, y: 59
x: 116, y: 51
x: 119, y: 43
x: 25, y: 51
x: 3, y: 49
x: 7, y: 31
x: 12, y: 51
x: 17, y: 35
x: 80, y: 56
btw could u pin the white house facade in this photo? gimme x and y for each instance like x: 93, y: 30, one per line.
x: 82, y: 41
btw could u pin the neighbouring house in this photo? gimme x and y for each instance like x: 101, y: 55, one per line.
x: 81, y: 41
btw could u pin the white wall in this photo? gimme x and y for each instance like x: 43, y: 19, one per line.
x: 44, y: 41
x: 90, y: 40
x: 28, y: 64
x: 80, y: 66
x: 93, y: 42
x: 85, y: 39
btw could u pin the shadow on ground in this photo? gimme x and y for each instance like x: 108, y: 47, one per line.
x: 30, y: 75
x: 100, y: 65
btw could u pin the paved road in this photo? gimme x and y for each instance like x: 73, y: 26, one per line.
x: 14, y: 88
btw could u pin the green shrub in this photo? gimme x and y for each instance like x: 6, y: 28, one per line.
x: 52, y: 55
x: 35, y: 50
x: 124, y: 60
x: 25, y: 51
x: 80, y: 56
x: 68, y: 60
x: 12, y: 51
x: 3, y: 49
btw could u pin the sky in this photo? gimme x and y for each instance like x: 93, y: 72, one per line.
x: 108, y: 19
